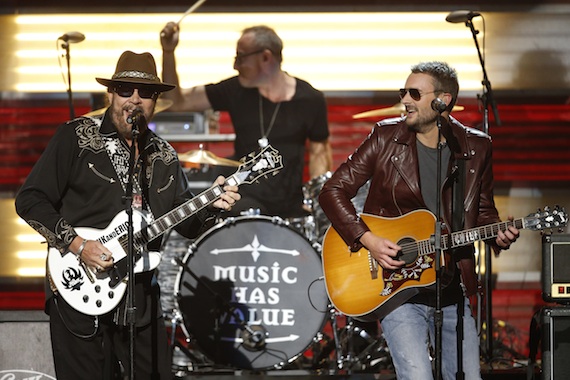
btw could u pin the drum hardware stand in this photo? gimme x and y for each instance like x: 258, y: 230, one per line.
x: 195, y: 361
x: 347, y: 360
x: 354, y: 360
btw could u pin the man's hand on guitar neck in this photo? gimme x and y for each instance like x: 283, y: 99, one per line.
x: 506, y: 238
x: 229, y: 197
x: 382, y: 250
x: 94, y: 254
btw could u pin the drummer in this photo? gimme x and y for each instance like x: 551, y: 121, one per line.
x: 266, y: 106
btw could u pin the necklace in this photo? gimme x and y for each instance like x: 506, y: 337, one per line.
x: 263, y: 141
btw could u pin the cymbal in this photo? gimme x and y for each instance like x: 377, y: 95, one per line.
x: 397, y: 109
x: 201, y: 156
x: 161, y: 105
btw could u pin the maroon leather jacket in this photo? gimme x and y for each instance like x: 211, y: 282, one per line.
x: 388, y: 157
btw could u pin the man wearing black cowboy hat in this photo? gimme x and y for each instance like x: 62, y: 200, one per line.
x: 80, y: 182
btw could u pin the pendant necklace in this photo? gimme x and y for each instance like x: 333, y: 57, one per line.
x: 263, y: 141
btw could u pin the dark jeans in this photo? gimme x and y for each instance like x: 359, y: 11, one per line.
x: 87, y: 347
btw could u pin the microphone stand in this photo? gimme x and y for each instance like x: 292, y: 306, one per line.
x: 436, y: 240
x: 488, y: 100
x: 65, y: 45
x: 131, y: 308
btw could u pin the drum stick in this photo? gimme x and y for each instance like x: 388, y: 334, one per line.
x: 191, y: 9
x: 195, y: 6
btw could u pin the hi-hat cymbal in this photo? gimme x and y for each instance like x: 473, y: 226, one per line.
x: 397, y: 109
x: 201, y: 156
x: 161, y: 105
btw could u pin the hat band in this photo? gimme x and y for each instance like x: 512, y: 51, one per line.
x: 136, y: 75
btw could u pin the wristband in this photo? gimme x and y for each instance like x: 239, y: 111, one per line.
x: 81, y: 248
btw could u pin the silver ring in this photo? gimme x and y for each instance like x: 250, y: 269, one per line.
x: 103, y: 257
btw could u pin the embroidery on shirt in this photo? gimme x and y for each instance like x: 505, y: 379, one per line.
x: 88, y: 136
x: 164, y: 152
x: 63, y: 236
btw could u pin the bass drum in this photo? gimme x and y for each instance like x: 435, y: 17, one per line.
x: 251, y: 293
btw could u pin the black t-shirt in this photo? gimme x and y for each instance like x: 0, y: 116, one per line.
x: 427, y: 158
x: 302, y: 118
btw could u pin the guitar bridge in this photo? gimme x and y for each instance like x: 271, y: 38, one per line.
x: 372, y: 266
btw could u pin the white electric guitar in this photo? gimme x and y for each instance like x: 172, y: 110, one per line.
x: 98, y: 293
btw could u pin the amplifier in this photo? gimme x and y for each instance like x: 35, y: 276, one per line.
x: 168, y: 124
x: 556, y: 268
x: 25, y: 346
x: 555, y: 343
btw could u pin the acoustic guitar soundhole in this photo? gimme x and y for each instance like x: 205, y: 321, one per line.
x: 409, y: 252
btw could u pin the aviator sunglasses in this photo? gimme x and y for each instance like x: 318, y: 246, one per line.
x: 127, y: 92
x: 414, y: 93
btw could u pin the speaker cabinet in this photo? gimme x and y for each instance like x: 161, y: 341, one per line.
x: 25, y: 345
x: 556, y: 268
x: 556, y: 343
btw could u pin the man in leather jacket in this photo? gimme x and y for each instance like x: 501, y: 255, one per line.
x: 400, y: 158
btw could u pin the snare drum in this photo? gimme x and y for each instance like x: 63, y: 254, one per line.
x: 251, y: 293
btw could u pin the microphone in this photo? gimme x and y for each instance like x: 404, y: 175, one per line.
x: 461, y: 16
x: 438, y: 105
x: 72, y: 37
x: 136, y: 116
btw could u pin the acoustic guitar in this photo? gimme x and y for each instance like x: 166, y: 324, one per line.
x: 358, y: 287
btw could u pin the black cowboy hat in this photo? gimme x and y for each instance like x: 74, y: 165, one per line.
x: 138, y: 69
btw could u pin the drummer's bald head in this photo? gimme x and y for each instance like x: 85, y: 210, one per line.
x: 266, y: 38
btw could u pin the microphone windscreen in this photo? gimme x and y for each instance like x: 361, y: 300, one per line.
x: 438, y: 105
x: 461, y: 16
x: 72, y: 37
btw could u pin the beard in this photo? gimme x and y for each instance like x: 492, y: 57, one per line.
x: 120, y: 122
x: 421, y: 123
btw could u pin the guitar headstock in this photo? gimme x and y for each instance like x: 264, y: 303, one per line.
x: 259, y: 164
x: 555, y: 219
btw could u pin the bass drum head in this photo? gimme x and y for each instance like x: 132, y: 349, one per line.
x: 251, y: 293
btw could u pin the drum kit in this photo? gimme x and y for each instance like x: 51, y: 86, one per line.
x: 249, y: 294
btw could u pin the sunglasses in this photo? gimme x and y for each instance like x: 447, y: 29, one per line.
x: 414, y: 93
x: 240, y: 56
x: 127, y: 92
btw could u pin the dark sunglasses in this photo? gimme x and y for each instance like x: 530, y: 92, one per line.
x: 127, y: 92
x: 240, y: 56
x: 414, y: 93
